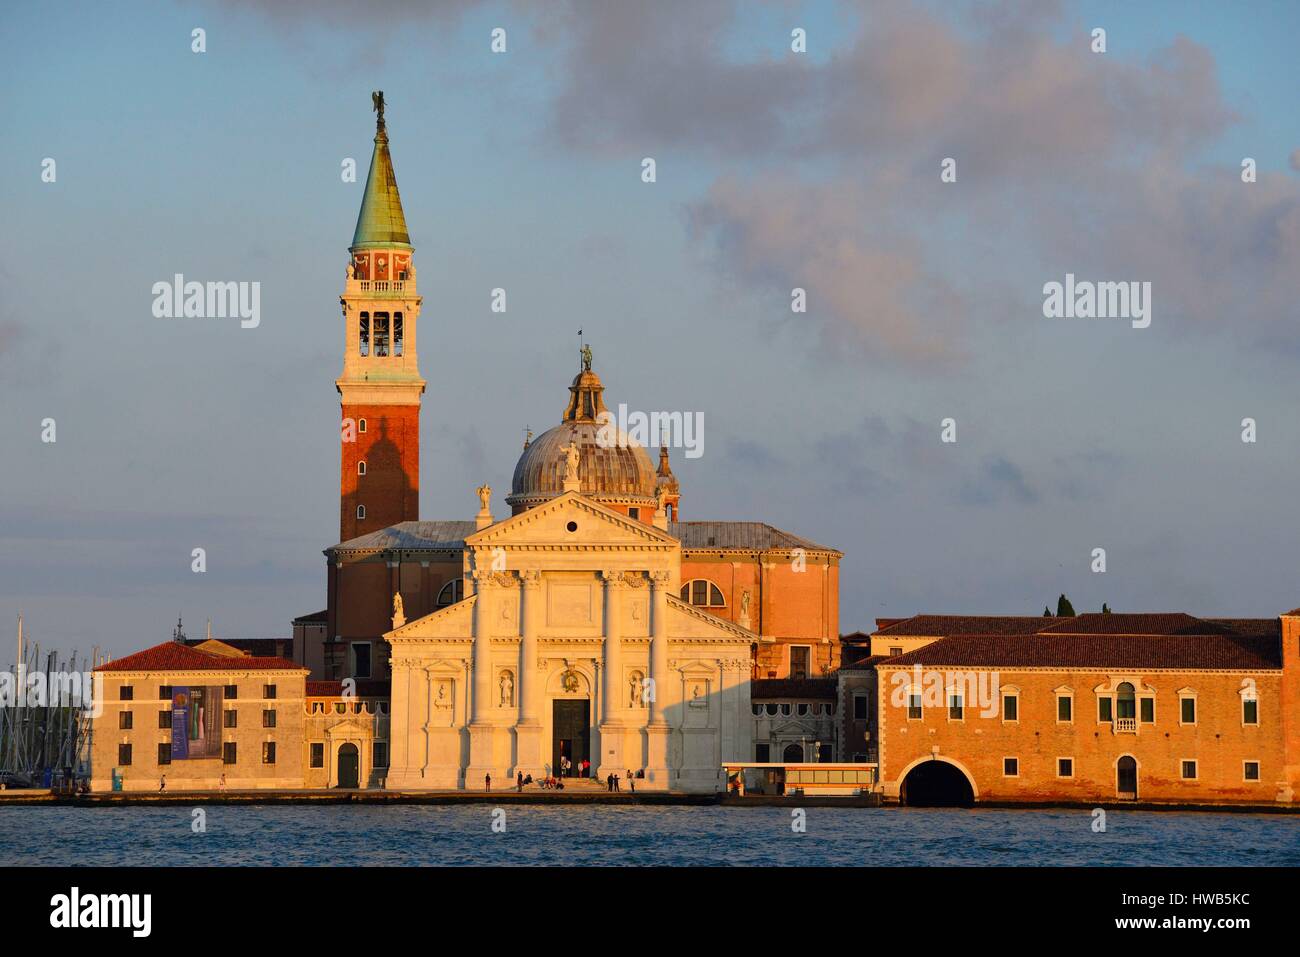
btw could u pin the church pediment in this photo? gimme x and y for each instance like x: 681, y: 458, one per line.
x: 687, y: 621
x: 571, y: 521
x: 454, y: 621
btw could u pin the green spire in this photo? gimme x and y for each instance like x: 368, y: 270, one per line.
x: 381, y: 221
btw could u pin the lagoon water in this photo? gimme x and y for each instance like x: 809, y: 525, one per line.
x: 612, y: 835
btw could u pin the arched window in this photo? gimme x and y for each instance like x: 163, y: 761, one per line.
x: 703, y: 593
x: 793, y: 754
x: 361, y: 511
x: 361, y: 425
x: 451, y: 592
x: 1125, y: 701
x: 361, y: 468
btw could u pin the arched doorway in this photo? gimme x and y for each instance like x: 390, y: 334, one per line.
x: 1126, y: 776
x: 349, y: 767
x: 793, y: 754
x: 936, y: 784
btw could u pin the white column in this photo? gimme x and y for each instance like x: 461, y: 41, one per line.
x: 657, y: 773
x: 528, y: 732
x: 482, y: 734
x: 611, y: 692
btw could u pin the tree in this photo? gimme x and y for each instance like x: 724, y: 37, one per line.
x: 1105, y: 608
x: 1047, y: 612
x: 1063, y: 608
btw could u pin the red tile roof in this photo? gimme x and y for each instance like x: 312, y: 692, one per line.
x: 175, y: 656
x: 1158, y: 623
x: 1172, y: 651
x: 942, y: 626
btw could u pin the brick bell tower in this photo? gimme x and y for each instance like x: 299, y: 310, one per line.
x: 380, y: 387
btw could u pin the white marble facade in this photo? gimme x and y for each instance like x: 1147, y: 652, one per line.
x: 573, y: 637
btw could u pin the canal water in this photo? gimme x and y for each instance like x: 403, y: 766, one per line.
x: 611, y: 835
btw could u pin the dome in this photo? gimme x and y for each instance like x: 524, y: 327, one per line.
x: 612, y: 472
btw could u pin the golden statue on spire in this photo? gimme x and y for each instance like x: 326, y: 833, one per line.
x: 377, y: 99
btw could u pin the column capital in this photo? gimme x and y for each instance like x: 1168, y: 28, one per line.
x: 532, y: 578
x: 613, y: 579
x: 661, y: 579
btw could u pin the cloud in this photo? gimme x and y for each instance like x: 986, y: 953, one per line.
x: 999, y: 480
x: 1067, y: 160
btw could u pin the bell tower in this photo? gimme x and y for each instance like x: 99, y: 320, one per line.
x: 380, y: 387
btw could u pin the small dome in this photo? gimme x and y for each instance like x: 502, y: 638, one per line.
x: 619, y: 471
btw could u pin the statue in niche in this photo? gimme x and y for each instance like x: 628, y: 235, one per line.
x: 507, y: 689
x: 744, y: 604
x: 635, y: 696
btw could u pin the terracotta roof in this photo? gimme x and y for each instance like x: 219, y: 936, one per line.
x: 1173, y: 651
x: 865, y: 664
x: 313, y: 617
x: 1159, y: 623
x: 264, y: 647
x: 820, y: 688
x: 942, y: 626
x: 740, y: 536
x: 175, y: 656
x: 1250, y: 626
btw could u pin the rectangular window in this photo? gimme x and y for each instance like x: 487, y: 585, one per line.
x: 126, y: 693
x: 268, y: 692
x: 232, y: 692
x: 397, y: 333
x: 1250, y: 771
x: 1249, y: 711
x: 954, y: 707
x: 1064, y: 708
x: 361, y: 659
x: 895, y: 652
x: 126, y: 720
x: 1189, y: 770
x: 363, y: 346
x: 1010, y: 707
x: 914, y: 706
x: 634, y: 513
x: 232, y: 718
x: 165, y: 753
x: 1011, y: 767
x: 1187, y: 710
x: 1065, y: 767
x: 380, y: 754
x: 164, y: 719
x: 228, y: 752
x: 317, y: 755
x: 799, y: 661
x: 824, y: 754
x: 268, y: 752
x: 859, y: 707
x: 763, y: 753
x: 1104, y: 709
x: 268, y: 718
x: 164, y: 692
x: 124, y: 755
x: 1147, y: 708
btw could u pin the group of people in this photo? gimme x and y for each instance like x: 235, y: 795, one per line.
x: 568, y: 769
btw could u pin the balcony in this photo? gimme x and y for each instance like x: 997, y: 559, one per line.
x: 381, y: 287
x: 1126, y: 726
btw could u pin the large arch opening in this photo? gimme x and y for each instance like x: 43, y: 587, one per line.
x: 936, y: 784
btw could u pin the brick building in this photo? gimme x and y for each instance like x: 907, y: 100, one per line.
x: 1099, y: 707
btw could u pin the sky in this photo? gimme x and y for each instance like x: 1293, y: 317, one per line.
x: 775, y: 170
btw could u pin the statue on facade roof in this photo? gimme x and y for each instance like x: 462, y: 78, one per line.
x: 586, y: 358
x: 399, y: 613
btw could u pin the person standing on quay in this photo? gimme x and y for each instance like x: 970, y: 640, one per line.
x: 162, y: 784
x: 519, y: 782
x: 487, y: 781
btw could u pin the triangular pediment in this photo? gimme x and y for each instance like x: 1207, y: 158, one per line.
x: 451, y: 622
x: 687, y: 621
x: 547, y: 526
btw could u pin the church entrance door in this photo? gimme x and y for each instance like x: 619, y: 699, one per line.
x: 349, y: 766
x: 570, y: 733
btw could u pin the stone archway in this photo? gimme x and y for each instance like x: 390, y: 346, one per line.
x: 793, y: 754
x: 936, y: 783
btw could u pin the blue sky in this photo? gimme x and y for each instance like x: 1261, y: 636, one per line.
x: 522, y: 171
